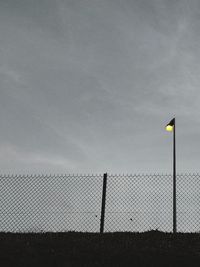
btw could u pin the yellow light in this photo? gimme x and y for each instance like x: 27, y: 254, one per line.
x: 169, y: 128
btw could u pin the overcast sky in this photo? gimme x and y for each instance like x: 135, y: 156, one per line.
x: 87, y: 86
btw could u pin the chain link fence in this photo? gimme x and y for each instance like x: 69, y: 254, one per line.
x: 131, y: 203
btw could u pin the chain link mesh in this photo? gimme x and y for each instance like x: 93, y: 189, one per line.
x: 135, y: 203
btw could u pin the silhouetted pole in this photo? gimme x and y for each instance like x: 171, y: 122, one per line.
x: 174, y: 178
x: 171, y: 126
x: 103, y: 202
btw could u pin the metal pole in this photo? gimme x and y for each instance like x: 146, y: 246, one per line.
x: 103, y: 202
x: 174, y: 179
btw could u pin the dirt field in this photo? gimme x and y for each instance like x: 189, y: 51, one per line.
x: 68, y: 249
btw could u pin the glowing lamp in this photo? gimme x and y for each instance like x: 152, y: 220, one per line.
x: 169, y: 128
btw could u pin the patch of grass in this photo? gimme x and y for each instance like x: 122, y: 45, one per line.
x: 152, y: 248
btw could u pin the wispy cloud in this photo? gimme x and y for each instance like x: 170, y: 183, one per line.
x: 82, y: 82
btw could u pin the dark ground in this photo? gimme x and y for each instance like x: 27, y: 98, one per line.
x: 68, y: 249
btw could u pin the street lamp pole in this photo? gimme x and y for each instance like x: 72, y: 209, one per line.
x: 171, y: 126
x: 174, y: 178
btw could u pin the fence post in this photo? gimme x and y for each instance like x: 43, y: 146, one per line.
x: 103, y: 202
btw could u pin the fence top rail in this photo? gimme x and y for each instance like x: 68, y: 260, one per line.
x: 78, y: 175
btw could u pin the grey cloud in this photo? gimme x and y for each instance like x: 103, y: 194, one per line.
x: 86, y: 80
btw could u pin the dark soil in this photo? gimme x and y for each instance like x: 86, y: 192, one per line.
x: 68, y: 249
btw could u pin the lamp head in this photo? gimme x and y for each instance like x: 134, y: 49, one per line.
x: 170, y: 126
